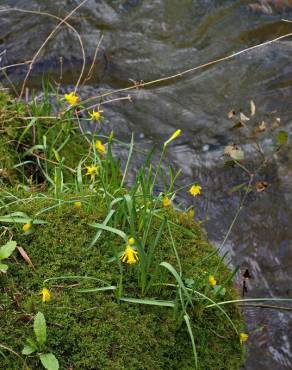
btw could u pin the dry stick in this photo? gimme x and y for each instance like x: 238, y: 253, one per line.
x: 14, y: 65
x: 62, y: 21
x: 180, y: 74
x: 89, y: 74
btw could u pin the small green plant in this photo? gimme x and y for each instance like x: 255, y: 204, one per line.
x: 5, y: 252
x: 38, y: 346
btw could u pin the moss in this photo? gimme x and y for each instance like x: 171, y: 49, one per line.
x: 112, y: 335
x: 93, y: 330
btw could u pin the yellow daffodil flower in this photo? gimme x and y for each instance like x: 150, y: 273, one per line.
x: 243, y: 337
x: 212, y: 280
x: 130, y: 256
x: 95, y: 115
x: 166, y: 202
x: 26, y: 227
x: 71, y: 98
x: 77, y: 204
x: 91, y: 171
x: 99, y: 146
x: 195, y: 190
x: 46, y: 295
x: 131, y: 241
x: 173, y: 136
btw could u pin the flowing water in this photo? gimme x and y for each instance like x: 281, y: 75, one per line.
x: 145, y: 40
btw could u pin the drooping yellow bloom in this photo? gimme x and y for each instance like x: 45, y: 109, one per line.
x: 95, y: 115
x: 91, y: 171
x: 173, y: 136
x: 100, y: 147
x: 195, y: 190
x: 71, y: 98
x: 130, y: 256
x: 77, y: 204
x: 46, y: 295
x: 166, y: 202
x: 212, y: 280
x: 131, y: 241
x: 26, y: 227
x: 243, y: 337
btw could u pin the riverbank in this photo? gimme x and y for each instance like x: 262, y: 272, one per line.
x: 124, y: 279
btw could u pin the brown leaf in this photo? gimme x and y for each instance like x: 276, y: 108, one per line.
x: 276, y: 123
x: 231, y: 114
x: 243, y: 117
x: 234, y: 151
x: 252, y: 108
x: 25, y: 257
x: 262, y: 127
x: 238, y: 125
x: 261, y: 186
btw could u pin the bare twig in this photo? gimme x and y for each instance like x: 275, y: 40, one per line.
x: 62, y: 21
x: 187, y: 71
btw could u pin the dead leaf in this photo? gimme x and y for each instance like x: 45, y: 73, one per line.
x: 235, y: 152
x: 238, y: 125
x: 231, y: 114
x: 243, y: 117
x: 261, y: 186
x: 262, y: 127
x: 25, y: 257
x: 252, y: 108
x: 276, y: 123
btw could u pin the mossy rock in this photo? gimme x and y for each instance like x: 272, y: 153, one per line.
x: 93, y: 330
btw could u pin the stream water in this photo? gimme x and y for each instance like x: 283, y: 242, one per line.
x: 145, y: 40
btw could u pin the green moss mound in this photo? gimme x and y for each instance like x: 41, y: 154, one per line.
x: 43, y: 174
x: 93, y: 330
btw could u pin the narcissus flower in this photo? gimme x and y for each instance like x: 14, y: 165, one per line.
x: 195, y: 190
x: 243, y: 337
x: 26, y: 227
x: 130, y: 256
x: 173, y: 136
x: 71, y: 98
x: 46, y: 295
x: 212, y: 280
x: 91, y: 171
x: 100, y: 147
x: 77, y: 204
x: 95, y: 115
x: 166, y: 202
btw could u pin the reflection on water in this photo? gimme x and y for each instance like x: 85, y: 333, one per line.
x: 145, y: 40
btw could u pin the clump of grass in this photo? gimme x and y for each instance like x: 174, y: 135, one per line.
x: 125, y: 276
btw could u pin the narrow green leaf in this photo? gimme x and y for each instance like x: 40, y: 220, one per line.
x: 97, y: 235
x: 128, y: 160
x: 187, y: 320
x: 110, y: 229
x: 40, y: 328
x: 49, y: 361
x: 7, y: 249
x: 152, y: 302
x: 173, y: 271
x: 21, y: 220
x: 92, y: 290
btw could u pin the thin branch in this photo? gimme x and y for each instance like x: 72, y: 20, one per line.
x: 62, y: 21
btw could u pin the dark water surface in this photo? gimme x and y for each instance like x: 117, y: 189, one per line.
x: 145, y: 40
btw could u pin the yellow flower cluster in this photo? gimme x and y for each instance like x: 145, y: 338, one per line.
x: 212, y: 280
x: 71, y: 98
x: 130, y: 255
x: 46, y: 295
x: 91, y: 171
x: 195, y: 190
x: 99, y: 146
